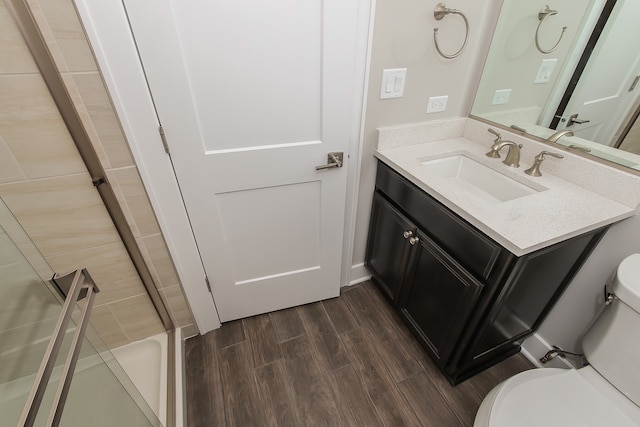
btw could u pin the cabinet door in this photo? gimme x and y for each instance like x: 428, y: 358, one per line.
x: 437, y: 298
x: 473, y: 250
x: 536, y: 282
x: 388, y: 247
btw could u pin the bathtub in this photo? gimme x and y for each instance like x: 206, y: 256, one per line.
x: 96, y: 397
x: 145, y: 363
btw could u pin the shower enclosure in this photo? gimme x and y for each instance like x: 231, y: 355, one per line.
x: 100, y: 393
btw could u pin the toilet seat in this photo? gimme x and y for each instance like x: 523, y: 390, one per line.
x: 557, y: 397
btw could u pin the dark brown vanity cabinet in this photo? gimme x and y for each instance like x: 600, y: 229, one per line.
x: 469, y: 301
x: 389, y: 246
x: 437, y: 297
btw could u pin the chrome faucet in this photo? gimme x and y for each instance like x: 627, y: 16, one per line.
x: 513, y: 156
x: 556, y: 136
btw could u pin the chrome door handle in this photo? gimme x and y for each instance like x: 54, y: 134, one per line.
x: 414, y: 240
x: 407, y: 234
x: 334, y: 160
x: 573, y: 119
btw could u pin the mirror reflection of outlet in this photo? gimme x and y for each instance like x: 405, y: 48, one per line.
x: 437, y: 104
x: 501, y: 97
x: 545, y: 70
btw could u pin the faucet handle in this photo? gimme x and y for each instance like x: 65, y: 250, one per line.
x: 493, y: 153
x: 534, y: 170
x: 496, y: 133
x: 549, y: 153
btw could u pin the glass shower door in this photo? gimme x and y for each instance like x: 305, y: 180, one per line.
x: 100, y: 393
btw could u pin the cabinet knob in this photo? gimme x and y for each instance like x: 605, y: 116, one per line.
x: 413, y: 240
x: 407, y: 234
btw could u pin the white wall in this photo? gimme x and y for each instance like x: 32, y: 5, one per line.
x: 403, y: 37
x: 583, y: 299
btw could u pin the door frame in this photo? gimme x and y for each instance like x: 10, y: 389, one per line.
x: 585, y: 55
x: 108, y: 31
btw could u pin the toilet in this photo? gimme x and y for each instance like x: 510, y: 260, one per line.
x: 606, y: 393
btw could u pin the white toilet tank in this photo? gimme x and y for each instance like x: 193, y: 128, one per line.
x: 612, y: 344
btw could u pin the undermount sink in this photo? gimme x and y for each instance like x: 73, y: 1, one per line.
x: 478, y: 178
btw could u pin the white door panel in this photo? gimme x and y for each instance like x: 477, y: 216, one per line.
x: 261, y: 61
x: 601, y: 95
x: 252, y: 96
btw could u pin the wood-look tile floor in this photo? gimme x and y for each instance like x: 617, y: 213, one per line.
x: 348, y: 361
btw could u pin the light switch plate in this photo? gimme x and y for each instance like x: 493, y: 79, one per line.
x: 545, y: 70
x: 501, y: 96
x: 437, y: 104
x: 393, y: 80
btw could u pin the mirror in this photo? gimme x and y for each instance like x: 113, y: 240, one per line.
x: 540, y: 78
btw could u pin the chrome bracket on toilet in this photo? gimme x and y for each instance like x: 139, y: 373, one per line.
x: 557, y: 351
x: 608, y: 296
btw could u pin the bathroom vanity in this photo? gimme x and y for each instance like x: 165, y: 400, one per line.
x: 470, y: 286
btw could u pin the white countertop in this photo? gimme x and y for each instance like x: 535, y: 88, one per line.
x: 558, y: 210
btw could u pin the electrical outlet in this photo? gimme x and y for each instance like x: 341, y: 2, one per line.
x: 437, y: 104
x: 501, y: 97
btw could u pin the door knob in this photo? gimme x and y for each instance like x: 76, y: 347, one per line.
x: 573, y: 119
x: 334, y: 160
x: 407, y: 234
x: 413, y: 241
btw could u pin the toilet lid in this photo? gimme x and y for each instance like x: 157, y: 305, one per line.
x: 565, y: 400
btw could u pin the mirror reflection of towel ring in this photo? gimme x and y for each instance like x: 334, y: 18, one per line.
x: 542, y: 16
x: 440, y: 12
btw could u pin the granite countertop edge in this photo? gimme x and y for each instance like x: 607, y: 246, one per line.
x: 561, y: 211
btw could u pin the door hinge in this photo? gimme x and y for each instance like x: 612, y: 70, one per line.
x: 206, y: 280
x: 163, y: 137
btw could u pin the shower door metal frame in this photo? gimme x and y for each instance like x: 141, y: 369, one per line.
x: 53, y: 79
x: 81, y: 287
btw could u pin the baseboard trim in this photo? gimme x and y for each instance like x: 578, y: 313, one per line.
x: 180, y: 375
x: 359, y: 274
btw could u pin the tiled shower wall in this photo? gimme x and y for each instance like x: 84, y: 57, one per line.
x: 45, y: 183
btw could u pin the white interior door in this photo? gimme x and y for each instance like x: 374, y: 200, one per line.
x: 252, y: 96
x: 602, y: 95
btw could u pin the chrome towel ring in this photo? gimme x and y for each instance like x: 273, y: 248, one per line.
x: 440, y: 12
x: 542, y: 16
